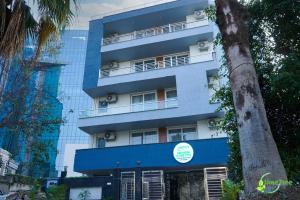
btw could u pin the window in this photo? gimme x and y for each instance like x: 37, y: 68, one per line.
x: 171, y: 96
x: 136, y: 138
x: 139, y: 66
x: 150, y: 137
x: 171, y: 61
x: 175, y: 135
x: 144, y: 65
x: 182, y: 134
x: 100, y: 142
x: 144, y: 137
x: 143, y: 102
x: 213, y: 85
x: 149, y: 101
x: 149, y: 65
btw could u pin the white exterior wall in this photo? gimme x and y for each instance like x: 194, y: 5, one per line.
x: 122, y: 139
x: 94, y: 193
x: 193, y: 22
x: 205, y: 133
x: 198, y: 56
x: 69, y: 157
x: 121, y: 106
x: 123, y: 68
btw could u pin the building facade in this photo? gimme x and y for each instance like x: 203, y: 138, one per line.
x: 71, y: 53
x: 62, y: 86
x: 25, y: 89
x: 151, y: 73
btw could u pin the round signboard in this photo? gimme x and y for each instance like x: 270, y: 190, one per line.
x: 183, y: 152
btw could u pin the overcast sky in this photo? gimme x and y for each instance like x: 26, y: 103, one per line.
x: 89, y: 9
x: 92, y: 8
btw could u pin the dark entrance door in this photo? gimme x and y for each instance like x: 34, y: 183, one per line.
x: 185, y: 185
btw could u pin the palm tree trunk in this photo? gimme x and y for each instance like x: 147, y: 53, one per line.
x: 258, y: 148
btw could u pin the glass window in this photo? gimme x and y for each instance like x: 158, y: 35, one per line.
x: 171, y: 98
x: 137, y: 103
x: 174, y: 63
x: 149, y: 101
x: 213, y: 85
x: 174, y: 135
x: 166, y: 29
x: 139, y: 66
x: 149, y: 64
x: 150, y: 137
x: 100, y: 143
x: 150, y: 32
x: 168, y: 62
x: 189, y: 133
x: 136, y: 138
x: 182, y: 134
x: 181, y: 60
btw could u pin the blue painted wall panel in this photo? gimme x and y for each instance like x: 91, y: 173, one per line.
x: 206, y: 152
x: 93, y: 56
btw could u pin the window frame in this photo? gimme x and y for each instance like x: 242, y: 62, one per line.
x: 143, y: 101
x: 143, y: 131
x: 181, y: 133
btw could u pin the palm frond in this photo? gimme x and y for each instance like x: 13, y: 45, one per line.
x: 47, y: 28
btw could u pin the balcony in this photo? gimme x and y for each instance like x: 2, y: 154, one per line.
x: 139, y: 107
x: 147, y: 45
x: 169, y: 28
x: 207, y: 152
x: 138, y: 66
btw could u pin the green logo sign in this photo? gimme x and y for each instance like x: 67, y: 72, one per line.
x: 270, y: 186
x: 183, y: 152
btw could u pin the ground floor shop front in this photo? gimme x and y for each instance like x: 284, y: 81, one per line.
x: 145, y: 184
x: 196, y: 184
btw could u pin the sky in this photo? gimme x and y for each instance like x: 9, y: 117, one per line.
x: 89, y: 9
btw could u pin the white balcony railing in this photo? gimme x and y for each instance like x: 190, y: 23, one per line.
x: 169, y: 28
x: 137, y: 68
x: 138, y: 107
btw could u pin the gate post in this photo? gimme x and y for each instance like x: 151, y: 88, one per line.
x: 116, y: 184
x: 138, y: 183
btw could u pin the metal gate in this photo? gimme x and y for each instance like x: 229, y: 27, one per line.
x: 153, y: 185
x: 128, y: 185
x: 213, y: 178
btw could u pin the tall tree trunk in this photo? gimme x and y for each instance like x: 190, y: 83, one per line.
x: 258, y: 149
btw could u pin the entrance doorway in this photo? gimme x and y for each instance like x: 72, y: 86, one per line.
x: 185, y: 185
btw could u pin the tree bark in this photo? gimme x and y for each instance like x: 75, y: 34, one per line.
x: 258, y: 148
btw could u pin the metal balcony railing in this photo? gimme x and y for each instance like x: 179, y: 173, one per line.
x: 137, y: 107
x: 169, y: 28
x: 167, y: 63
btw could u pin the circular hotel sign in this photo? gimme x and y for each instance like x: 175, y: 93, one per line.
x: 183, y: 152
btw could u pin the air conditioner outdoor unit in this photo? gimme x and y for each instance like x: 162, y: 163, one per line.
x: 203, y: 46
x: 112, y: 98
x: 211, y: 123
x: 102, y: 99
x: 199, y: 14
x: 110, y: 135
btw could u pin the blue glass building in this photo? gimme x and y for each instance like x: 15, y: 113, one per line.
x: 63, y: 83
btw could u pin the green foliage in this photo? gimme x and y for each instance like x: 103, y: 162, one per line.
x: 275, y: 47
x: 56, y: 192
x: 26, y: 180
x: 35, y: 190
x: 230, y: 190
